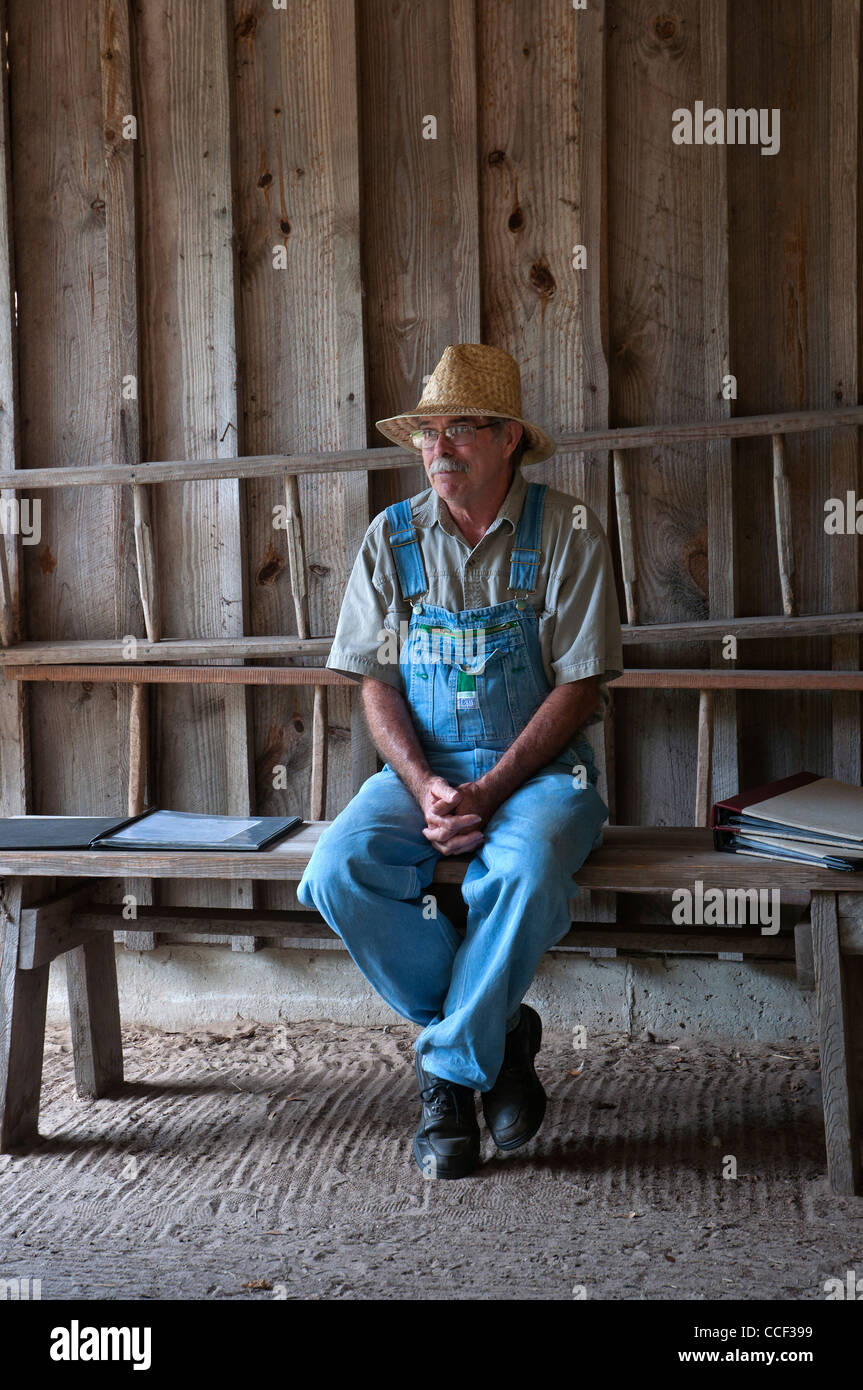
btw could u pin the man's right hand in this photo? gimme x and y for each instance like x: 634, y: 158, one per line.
x: 449, y: 832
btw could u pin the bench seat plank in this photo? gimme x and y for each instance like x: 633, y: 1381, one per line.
x: 631, y: 859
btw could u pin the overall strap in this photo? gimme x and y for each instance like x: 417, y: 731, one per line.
x: 524, y: 564
x: 406, y: 550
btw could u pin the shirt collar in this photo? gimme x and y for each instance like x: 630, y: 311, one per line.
x: 431, y: 508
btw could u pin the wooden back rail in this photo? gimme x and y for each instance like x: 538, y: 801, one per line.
x: 140, y: 677
x: 141, y: 476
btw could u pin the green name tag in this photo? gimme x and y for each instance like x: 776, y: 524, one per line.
x: 465, y: 691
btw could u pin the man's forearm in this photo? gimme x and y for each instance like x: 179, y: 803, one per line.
x: 553, y: 726
x: 394, y: 734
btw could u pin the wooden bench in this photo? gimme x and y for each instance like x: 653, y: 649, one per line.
x: 74, y: 923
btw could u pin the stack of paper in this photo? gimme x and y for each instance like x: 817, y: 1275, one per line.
x: 807, y: 818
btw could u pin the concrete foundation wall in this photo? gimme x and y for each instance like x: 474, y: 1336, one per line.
x: 180, y: 987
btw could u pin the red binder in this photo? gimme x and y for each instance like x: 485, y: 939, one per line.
x: 805, y: 819
x: 723, y: 809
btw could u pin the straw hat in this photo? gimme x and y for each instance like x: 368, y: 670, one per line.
x: 473, y: 379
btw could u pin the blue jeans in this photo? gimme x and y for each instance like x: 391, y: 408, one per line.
x: 368, y: 878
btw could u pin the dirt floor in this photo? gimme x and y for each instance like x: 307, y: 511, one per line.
x: 275, y: 1161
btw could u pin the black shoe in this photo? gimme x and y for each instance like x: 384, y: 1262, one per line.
x: 446, y: 1144
x: 514, y: 1108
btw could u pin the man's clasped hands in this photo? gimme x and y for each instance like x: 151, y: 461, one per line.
x: 455, y: 815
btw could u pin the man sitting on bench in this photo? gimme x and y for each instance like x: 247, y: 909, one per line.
x: 477, y: 703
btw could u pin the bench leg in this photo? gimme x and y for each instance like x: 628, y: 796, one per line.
x: 23, y: 1003
x: 94, y: 1012
x: 833, y: 986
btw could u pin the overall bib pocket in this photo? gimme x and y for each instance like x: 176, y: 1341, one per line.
x: 526, y: 683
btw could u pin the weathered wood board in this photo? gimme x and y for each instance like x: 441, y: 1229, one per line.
x: 783, y: 321
x: 665, y: 233
x: 541, y: 157
x: 188, y: 370
x: 301, y: 385
x: 420, y: 248
x: 71, y: 579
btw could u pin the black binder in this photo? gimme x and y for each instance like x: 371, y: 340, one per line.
x: 56, y: 832
x: 152, y: 829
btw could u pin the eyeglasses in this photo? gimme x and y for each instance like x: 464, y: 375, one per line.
x: 457, y: 434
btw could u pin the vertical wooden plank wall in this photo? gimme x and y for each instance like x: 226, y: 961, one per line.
x: 541, y: 162
x: 844, y: 318
x: 59, y: 214
x: 540, y: 155
x: 660, y: 227
x: 189, y: 400
x: 14, y: 750
x: 12, y: 790
x: 301, y: 362
x: 123, y: 398
x: 21, y: 1028
x: 12, y: 697
x: 781, y: 331
x: 420, y: 245
x: 722, y: 569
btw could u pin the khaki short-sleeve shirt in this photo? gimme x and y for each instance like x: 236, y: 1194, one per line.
x: 575, y: 598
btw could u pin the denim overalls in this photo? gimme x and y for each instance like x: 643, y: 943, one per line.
x: 473, y: 679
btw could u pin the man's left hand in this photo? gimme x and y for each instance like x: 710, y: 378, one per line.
x: 475, y: 798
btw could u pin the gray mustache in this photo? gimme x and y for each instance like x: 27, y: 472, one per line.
x: 447, y: 466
